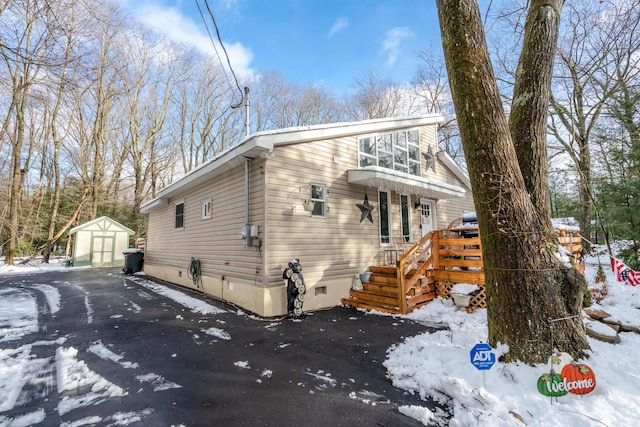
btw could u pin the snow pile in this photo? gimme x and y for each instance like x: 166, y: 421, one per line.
x: 18, y: 314
x: 84, y: 386
x: 104, y: 353
x: 218, y: 333
x: 194, y: 304
x: 158, y: 382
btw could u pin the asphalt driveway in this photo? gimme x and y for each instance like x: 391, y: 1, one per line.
x: 116, y: 350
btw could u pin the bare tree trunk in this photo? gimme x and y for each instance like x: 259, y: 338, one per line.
x: 526, y: 284
x: 148, y: 88
x: 65, y: 227
x: 56, y: 138
x: 106, y: 89
x: 18, y: 168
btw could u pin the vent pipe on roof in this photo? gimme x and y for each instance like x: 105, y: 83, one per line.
x: 246, y: 110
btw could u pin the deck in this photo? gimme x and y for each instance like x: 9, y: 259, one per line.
x: 431, y: 268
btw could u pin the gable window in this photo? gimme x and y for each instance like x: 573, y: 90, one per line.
x: 207, y: 205
x: 319, y: 199
x: 398, y: 151
x: 179, y: 215
x: 413, y: 152
x: 368, y: 153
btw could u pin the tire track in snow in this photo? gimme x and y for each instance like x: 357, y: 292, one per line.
x: 87, y: 303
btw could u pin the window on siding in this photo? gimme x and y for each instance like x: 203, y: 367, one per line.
x: 319, y: 199
x: 368, y: 156
x: 398, y: 151
x: 179, y: 217
x: 405, y: 215
x: 383, y: 212
x: 207, y: 205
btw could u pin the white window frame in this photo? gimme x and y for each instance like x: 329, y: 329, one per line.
x: 207, y: 207
x: 401, y: 144
x: 416, y: 145
x: 364, y: 158
x: 318, y: 201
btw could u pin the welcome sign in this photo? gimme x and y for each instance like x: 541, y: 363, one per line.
x: 575, y: 378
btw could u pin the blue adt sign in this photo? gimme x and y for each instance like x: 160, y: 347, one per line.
x: 482, y: 356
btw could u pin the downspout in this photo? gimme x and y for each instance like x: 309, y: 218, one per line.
x: 246, y: 202
x: 246, y: 172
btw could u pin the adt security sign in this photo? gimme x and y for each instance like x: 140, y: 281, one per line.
x: 482, y: 356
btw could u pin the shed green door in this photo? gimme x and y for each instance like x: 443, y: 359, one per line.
x: 102, y: 251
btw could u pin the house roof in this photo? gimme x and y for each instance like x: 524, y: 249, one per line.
x: 102, y: 219
x: 260, y: 144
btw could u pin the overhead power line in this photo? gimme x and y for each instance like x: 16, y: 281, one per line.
x: 237, y: 85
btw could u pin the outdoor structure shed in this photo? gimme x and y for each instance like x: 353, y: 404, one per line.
x: 339, y: 197
x: 99, y: 243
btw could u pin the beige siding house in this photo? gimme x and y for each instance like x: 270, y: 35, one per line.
x: 242, y: 214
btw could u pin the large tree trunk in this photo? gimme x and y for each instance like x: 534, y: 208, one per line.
x: 526, y: 284
x: 530, y: 105
x: 18, y: 172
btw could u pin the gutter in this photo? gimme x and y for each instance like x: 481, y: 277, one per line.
x: 220, y: 164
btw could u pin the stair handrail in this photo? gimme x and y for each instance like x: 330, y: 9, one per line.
x: 420, y: 252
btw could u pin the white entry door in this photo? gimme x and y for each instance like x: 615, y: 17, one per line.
x: 427, y: 216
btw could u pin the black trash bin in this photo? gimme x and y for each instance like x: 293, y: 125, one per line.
x: 133, y: 260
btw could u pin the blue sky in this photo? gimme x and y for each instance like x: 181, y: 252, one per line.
x: 327, y: 43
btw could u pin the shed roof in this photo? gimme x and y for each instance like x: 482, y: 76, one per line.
x: 105, y: 222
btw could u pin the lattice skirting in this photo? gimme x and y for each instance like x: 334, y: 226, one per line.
x: 443, y: 289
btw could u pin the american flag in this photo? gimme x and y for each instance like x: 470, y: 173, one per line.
x: 625, y: 274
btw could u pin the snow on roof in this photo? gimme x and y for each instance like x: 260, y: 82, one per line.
x: 567, y: 224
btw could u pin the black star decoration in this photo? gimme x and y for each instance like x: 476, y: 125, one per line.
x: 430, y: 160
x: 365, y: 209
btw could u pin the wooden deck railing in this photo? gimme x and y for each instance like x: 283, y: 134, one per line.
x: 419, y: 258
x: 456, y: 257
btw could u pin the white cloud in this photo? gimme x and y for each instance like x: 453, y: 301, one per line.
x: 339, y: 25
x: 391, y: 45
x: 227, y: 4
x: 183, y: 29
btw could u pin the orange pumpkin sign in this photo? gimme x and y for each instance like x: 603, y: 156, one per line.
x: 578, y: 378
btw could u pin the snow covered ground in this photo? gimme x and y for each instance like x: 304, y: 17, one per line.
x: 433, y: 365
x: 438, y: 365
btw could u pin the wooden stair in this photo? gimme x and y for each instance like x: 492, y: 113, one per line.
x: 445, y: 257
x: 381, y: 292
